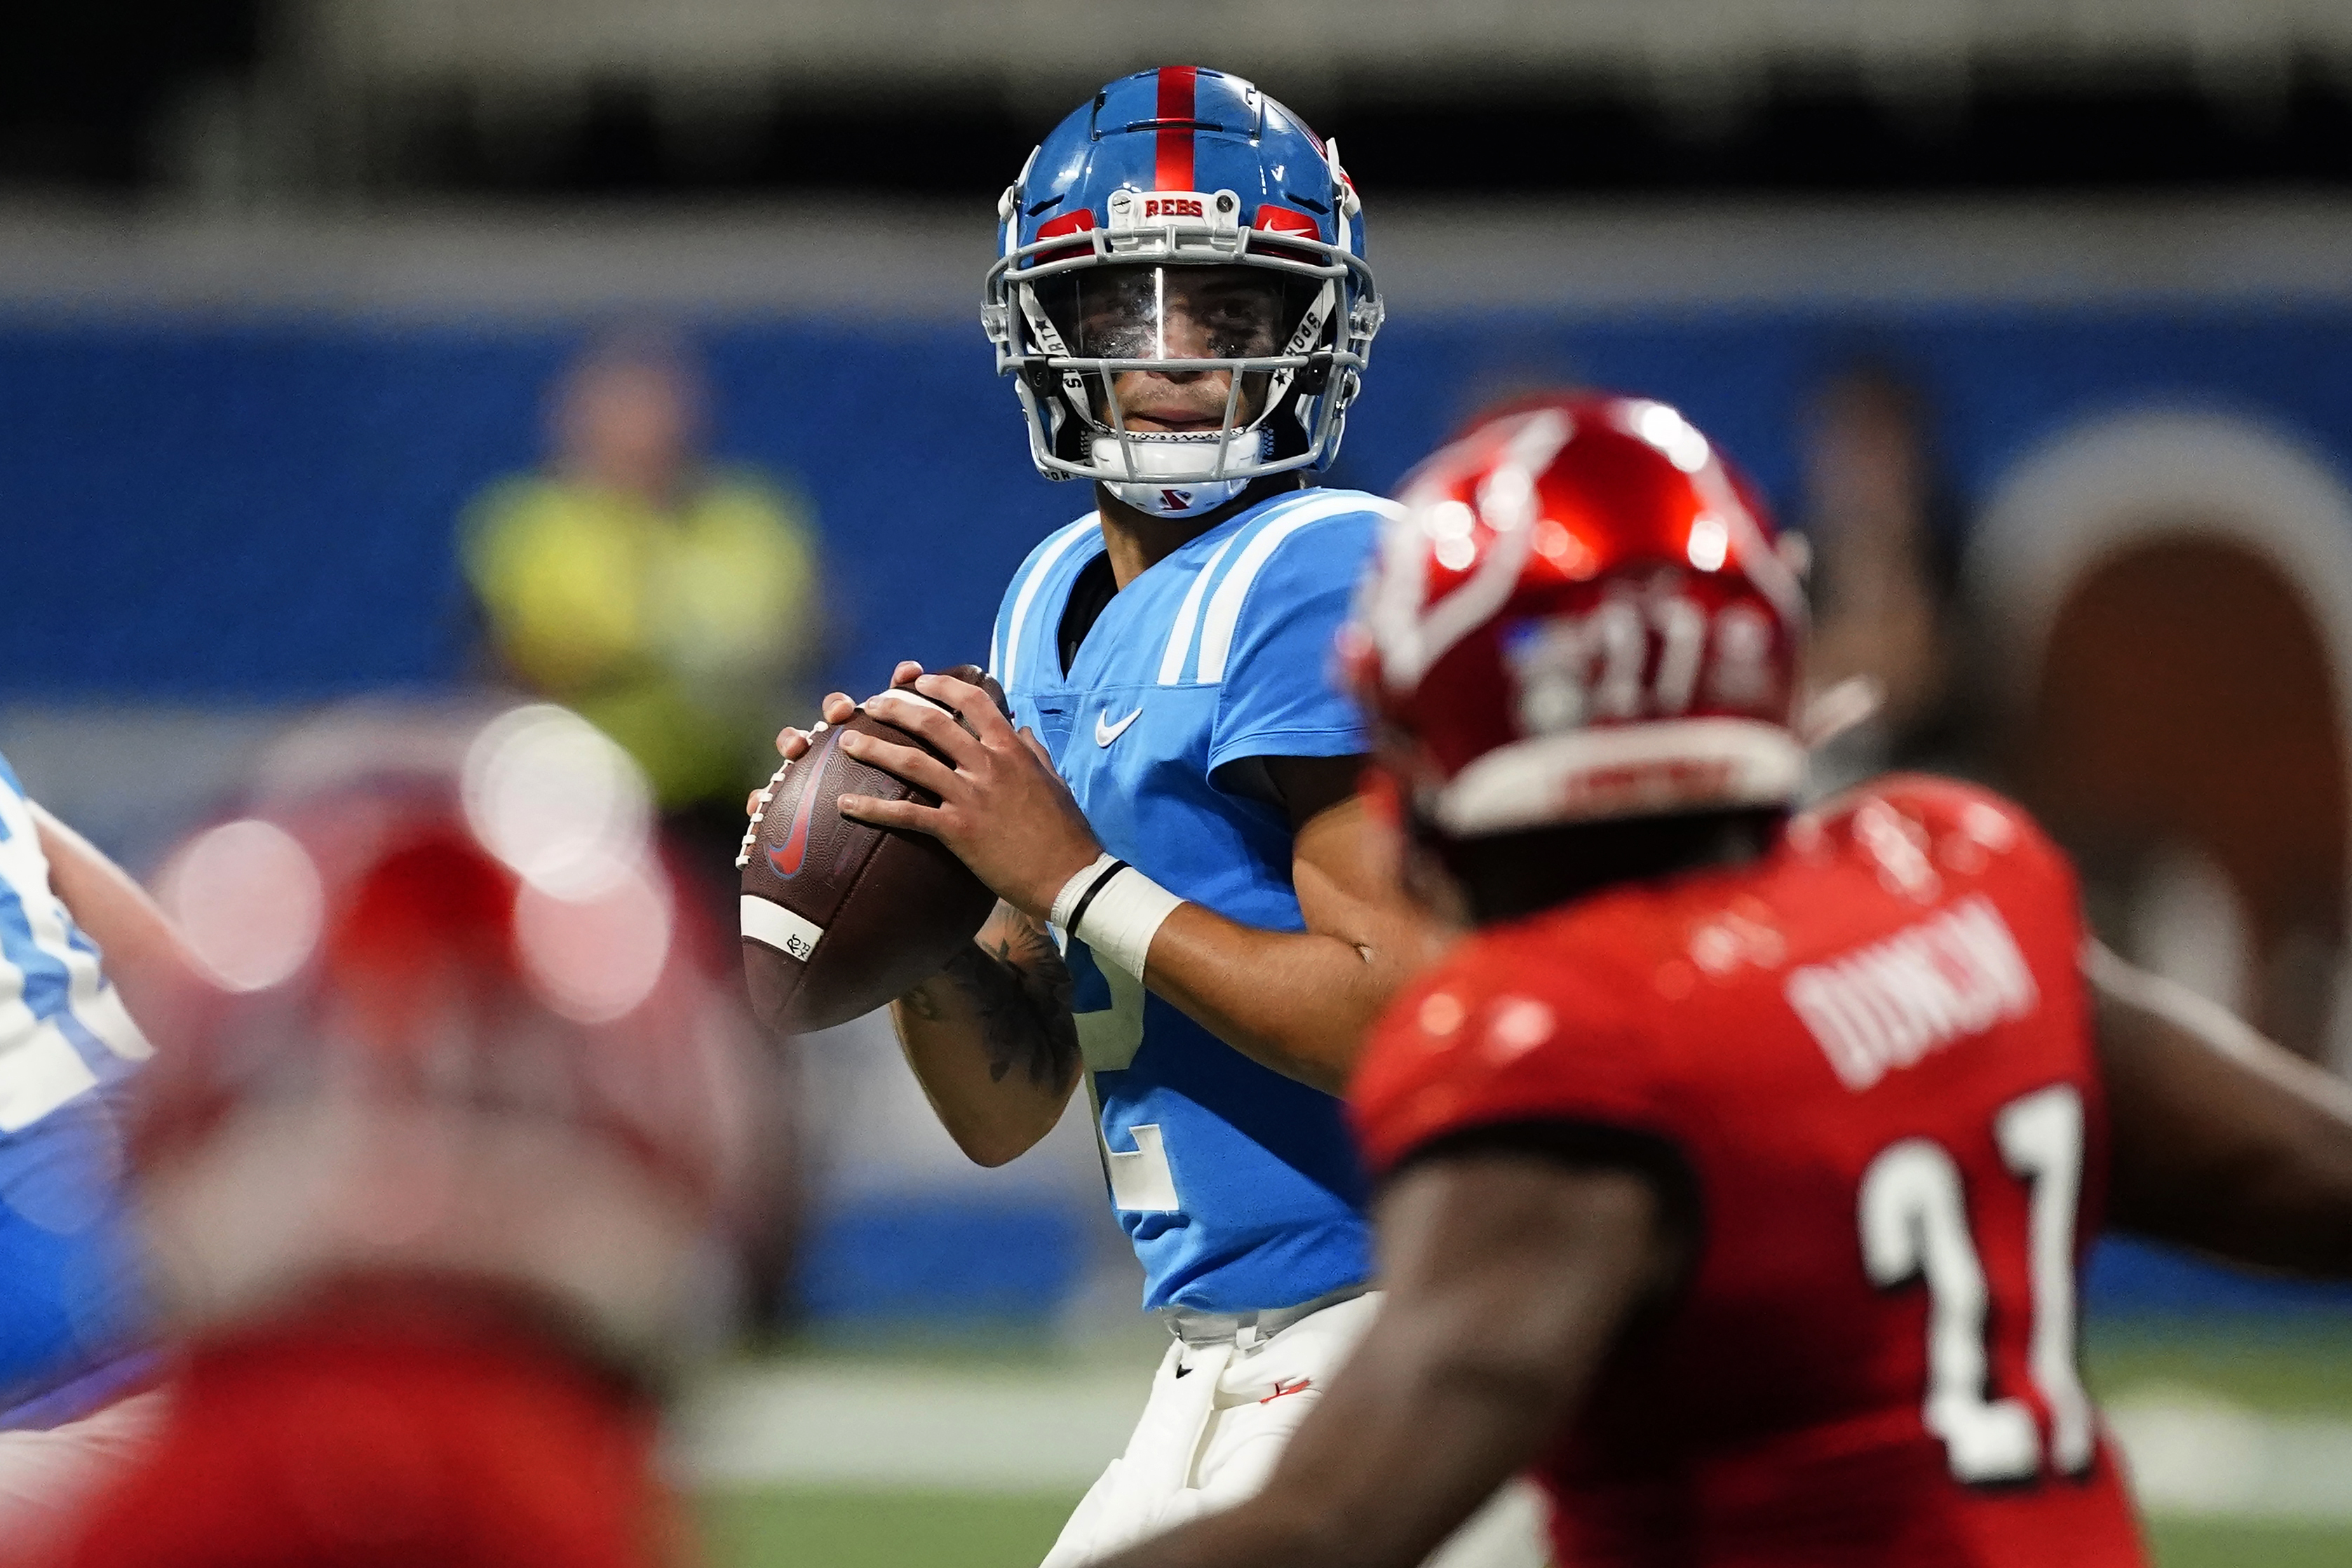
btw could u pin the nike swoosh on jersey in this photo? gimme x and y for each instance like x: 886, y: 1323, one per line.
x: 786, y: 858
x: 1105, y: 733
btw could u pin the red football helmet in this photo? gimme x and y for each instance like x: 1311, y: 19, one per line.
x: 456, y: 1029
x: 1583, y: 614
x: 436, y: 1169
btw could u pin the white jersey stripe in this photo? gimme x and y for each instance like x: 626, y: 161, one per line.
x: 89, y: 997
x: 1188, y: 615
x: 1009, y: 657
x: 41, y: 1068
x: 1180, y: 636
x: 20, y: 1029
x: 106, y: 1017
x: 1225, y: 607
x: 42, y: 1073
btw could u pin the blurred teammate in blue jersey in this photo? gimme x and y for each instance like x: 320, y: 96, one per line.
x: 72, y: 1319
x: 1184, y: 308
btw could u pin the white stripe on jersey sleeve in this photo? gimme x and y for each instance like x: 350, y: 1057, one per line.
x: 1226, y: 607
x: 40, y: 1068
x: 39, y: 1072
x: 90, y: 995
x: 1008, y: 655
x: 105, y: 1016
x: 1180, y: 638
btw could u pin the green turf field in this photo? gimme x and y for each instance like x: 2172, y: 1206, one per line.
x: 2264, y: 1367
x: 2184, y: 1545
x: 2282, y: 1366
x: 797, y: 1529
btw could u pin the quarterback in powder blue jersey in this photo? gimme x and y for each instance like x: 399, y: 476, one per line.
x: 1189, y: 923
x: 72, y: 1317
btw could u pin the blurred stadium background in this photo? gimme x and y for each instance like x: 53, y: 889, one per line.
x: 2037, y: 318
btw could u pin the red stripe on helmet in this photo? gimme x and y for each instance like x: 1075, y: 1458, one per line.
x: 1077, y: 222
x: 1173, y: 168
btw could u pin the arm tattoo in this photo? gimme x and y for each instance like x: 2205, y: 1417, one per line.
x: 1014, y: 979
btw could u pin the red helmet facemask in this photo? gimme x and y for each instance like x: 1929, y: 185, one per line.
x: 1582, y: 615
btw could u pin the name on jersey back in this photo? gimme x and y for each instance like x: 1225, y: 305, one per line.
x: 1890, y: 1003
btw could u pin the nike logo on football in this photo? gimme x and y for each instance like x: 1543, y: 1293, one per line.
x: 787, y: 857
x: 1105, y: 733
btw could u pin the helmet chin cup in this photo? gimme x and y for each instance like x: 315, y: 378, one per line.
x: 1177, y: 500
x: 1175, y: 474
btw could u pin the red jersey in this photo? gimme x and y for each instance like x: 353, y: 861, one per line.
x: 1865, y: 1065
x: 414, y: 1430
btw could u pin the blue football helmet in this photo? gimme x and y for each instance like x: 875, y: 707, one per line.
x: 1182, y: 217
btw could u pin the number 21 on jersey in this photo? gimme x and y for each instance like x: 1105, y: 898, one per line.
x: 1915, y: 1227
x: 1107, y: 1006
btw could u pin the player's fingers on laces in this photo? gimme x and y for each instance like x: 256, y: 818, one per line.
x: 914, y: 765
x: 793, y: 744
x: 979, y: 710
x: 751, y: 802
x: 933, y: 723
x: 973, y: 675
x: 837, y: 707
x: 907, y: 674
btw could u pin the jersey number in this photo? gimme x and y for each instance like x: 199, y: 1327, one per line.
x: 1107, y: 1007
x: 1629, y: 658
x: 1915, y: 1226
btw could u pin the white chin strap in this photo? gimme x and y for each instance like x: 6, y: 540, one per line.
x: 1169, y: 469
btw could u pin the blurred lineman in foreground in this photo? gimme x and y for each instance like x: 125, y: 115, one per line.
x: 74, y: 1319
x: 438, y: 1180
x: 671, y: 603
x: 1737, y: 1173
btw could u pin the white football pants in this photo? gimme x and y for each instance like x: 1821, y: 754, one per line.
x: 1210, y: 1438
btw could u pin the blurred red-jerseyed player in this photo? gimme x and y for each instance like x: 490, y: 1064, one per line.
x: 435, y: 1183
x: 1738, y: 1171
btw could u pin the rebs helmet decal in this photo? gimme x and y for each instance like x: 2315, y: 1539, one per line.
x: 1582, y: 614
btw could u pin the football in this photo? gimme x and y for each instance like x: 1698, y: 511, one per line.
x: 839, y: 917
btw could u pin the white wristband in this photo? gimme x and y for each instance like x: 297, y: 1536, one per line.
x: 1078, y: 887
x: 1115, y: 910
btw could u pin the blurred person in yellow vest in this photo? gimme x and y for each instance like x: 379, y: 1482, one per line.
x: 667, y: 599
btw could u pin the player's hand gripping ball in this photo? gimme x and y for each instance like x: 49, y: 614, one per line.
x: 839, y: 916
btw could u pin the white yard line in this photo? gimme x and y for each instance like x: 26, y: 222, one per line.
x: 2191, y: 1455
x: 847, y: 1425
x: 2194, y: 1455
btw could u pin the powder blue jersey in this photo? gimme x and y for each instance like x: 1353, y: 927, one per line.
x: 69, y: 1304
x: 1239, y: 1187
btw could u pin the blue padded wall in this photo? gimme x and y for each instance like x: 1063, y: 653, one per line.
x: 263, y: 511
